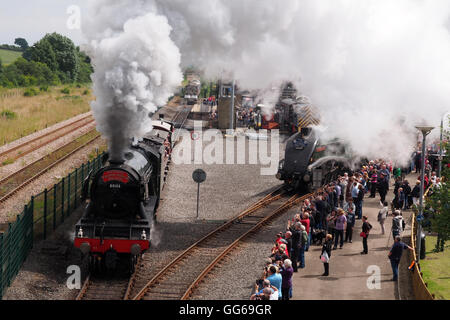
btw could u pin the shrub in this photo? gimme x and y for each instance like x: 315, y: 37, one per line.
x: 30, y: 92
x: 7, y: 161
x: 8, y: 114
x: 65, y: 91
x: 43, y: 88
x: 86, y: 92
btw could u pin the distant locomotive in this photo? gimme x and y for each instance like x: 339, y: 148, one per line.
x: 291, y: 112
x: 192, y: 91
x: 122, y: 198
x: 308, y: 164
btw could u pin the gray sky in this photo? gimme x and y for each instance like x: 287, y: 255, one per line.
x: 33, y: 19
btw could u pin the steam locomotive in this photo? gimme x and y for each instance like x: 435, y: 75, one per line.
x: 122, y: 198
x: 192, y: 91
x: 309, y: 164
x: 291, y: 112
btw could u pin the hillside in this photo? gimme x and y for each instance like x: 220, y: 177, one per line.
x: 8, y: 56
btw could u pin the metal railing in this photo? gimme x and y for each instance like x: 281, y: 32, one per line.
x: 420, y: 288
x: 40, y: 217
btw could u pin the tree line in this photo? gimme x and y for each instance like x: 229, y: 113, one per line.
x: 53, y: 60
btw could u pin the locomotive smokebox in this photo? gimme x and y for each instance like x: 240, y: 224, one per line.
x: 116, y: 162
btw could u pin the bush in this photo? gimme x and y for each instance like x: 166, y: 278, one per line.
x: 30, y: 92
x: 8, y: 114
x: 86, y: 92
x: 7, y: 161
x: 43, y: 88
x: 65, y: 91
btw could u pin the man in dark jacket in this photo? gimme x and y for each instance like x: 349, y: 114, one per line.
x: 395, y: 255
x: 321, y: 207
x: 350, y: 224
x: 418, y: 161
x: 366, y: 226
x: 327, y: 248
x: 359, y: 201
x: 296, y: 241
x: 407, y: 191
x: 288, y: 239
x: 415, y: 193
x: 383, y: 187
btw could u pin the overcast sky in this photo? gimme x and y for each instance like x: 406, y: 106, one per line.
x: 33, y: 19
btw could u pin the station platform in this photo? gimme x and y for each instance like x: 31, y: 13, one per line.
x: 352, y: 273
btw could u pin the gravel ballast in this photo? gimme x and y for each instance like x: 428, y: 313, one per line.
x: 228, y: 190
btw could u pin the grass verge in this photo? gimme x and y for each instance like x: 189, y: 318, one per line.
x: 436, y: 269
x: 34, y: 113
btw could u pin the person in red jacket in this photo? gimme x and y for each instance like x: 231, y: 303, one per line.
x: 307, y: 223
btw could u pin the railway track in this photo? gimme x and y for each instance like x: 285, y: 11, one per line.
x: 95, y: 288
x: 179, y: 278
x: 179, y: 120
x: 12, y: 184
x: 36, y: 143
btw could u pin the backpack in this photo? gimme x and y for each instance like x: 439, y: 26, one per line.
x: 350, y: 218
x: 396, y: 224
x: 304, y: 239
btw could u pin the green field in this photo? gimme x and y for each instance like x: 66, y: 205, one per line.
x: 436, y: 269
x: 8, y: 56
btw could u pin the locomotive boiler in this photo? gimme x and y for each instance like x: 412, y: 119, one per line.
x: 309, y: 163
x: 121, y: 201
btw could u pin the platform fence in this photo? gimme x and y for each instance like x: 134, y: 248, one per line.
x: 39, y: 219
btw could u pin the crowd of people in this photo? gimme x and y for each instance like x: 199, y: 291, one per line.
x: 249, y: 118
x: 328, y: 219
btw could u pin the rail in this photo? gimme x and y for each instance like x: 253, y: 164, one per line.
x: 23, y: 184
x: 179, y: 120
x: 40, y: 217
x: 90, y: 287
x: 46, y: 135
x: 233, y: 231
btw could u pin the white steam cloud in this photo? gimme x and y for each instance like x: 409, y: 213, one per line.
x: 137, y: 68
x: 373, y: 68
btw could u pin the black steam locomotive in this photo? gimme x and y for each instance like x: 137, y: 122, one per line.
x: 292, y: 112
x: 122, y: 198
x: 308, y: 164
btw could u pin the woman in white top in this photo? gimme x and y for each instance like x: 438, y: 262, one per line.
x: 382, y: 214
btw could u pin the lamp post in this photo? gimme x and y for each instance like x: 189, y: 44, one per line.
x: 232, y: 106
x: 425, y: 131
x: 441, y: 141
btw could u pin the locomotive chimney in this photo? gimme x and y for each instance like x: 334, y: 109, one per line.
x: 116, y: 162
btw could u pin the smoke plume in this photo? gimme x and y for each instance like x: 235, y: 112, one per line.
x: 137, y: 68
x: 373, y: 68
